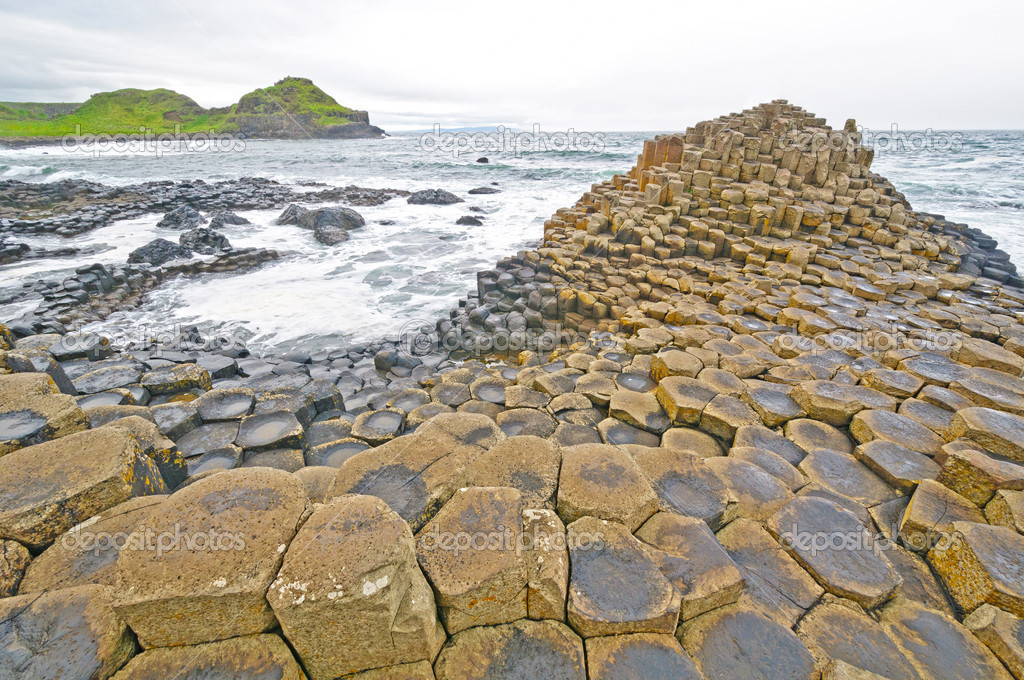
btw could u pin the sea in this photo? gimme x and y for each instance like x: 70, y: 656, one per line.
x: 411, y: 264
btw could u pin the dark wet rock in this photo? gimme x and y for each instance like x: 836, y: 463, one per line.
x: 469, y: 221
x: 523, y: 650
x: 615, y: 586
x: 184, y: 217
x: 937, y: 645
x: 738, y: 642
x: 203, y: 240
x: 223, y: 217
x: 849, y: 568
x: 777, y: 586
x: 291, y: 214
x: 158, y: 252
x: 694, y: 561
x: 434, y: 197
x: 483, y: 190
x: 835, y: 631
x: 338, y: 217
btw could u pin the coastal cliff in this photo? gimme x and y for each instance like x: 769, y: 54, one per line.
x: 742, y: 406
x: 292, y: 108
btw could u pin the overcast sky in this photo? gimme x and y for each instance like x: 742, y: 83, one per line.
x: 591, y: 65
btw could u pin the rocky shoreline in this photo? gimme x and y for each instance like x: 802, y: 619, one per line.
x: 743, y: 413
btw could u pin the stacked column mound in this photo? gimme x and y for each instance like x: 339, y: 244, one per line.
x: 784, y: 439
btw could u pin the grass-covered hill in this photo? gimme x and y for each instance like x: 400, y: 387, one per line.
x: 290, y: 108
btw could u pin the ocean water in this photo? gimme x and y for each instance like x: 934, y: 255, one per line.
x: 391, y: 276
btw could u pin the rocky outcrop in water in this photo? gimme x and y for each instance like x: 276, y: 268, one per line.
x: 204, y: 240
x: 158, y: 251
x: 744, y: 413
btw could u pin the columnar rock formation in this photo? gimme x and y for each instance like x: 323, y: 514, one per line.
x: 780, y: 434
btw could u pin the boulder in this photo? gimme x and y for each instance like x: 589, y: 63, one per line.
x: 217, y: 545
x: 183, y: 217
x: 433, y: 197
x: 48, y: 488
x: 204, y: 240
x: 159, y: 252
x: 336, y: 217
x: 349, y: 594
x: 291, y: 214
x: 224, y: 217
